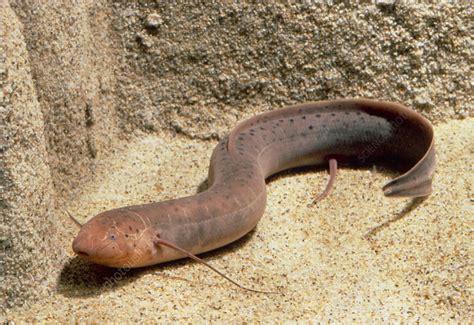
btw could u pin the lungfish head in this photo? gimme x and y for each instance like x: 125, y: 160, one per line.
x: 117, y: 238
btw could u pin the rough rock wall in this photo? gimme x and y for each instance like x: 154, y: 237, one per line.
x: 78, y: 75
x: 200, y: 68
x: 72, y: 64
x: 29, y: 249
x: 60, y: 114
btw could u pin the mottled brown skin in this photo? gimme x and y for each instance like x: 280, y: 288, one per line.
x: 356, y: 131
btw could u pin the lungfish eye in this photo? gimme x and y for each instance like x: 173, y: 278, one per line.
x: 112, y: 237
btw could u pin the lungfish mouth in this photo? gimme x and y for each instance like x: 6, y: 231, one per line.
x: 90, y: 248
x: 99, y: 250
x: 81, y: 253
x: 83, y: 245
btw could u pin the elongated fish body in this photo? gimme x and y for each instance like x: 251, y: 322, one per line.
x: 357, y: 131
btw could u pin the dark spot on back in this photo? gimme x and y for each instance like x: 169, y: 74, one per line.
x: 303, y: 117
x: 310, y: 127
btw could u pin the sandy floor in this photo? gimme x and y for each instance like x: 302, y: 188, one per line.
x: 357, y: 256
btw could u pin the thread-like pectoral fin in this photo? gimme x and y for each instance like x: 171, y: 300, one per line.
x: 159, y: 241
x: 417, y: 181
x: 73, y: 219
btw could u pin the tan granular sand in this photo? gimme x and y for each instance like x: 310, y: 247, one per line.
x: 355, y: 257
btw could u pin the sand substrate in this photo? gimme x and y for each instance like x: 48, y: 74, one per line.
x: 356, y: 256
